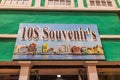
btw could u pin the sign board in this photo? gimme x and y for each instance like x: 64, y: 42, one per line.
x: 58, y: 42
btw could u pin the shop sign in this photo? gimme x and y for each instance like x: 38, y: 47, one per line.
x: 58, y: 42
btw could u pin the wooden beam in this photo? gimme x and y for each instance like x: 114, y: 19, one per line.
x: 91, y: 62
x: 8, y: 63
x: 44, y: 71
x: 101, y: 36
x: 9, y: 71
x: 62, y: 71
x: 109, y: 73
x: 109, y: 63
x: 60, y: 63
x: 56, y: 71
x: 109, y: 70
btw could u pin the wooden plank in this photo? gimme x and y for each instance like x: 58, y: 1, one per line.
x: 108, y: 63
x: 60, y: 63
x: 109, y: 70
x: 9, y: 71
x: 101, y: 36
x: 62, y: 71
x: 56, y: 71
x: 7, y: 63
x: 44, y: 71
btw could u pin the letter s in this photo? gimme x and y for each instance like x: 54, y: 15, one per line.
x: 36, y: 33
x: 45, y: 33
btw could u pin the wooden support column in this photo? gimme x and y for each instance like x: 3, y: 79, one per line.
x: 79, y: 77
x: 25, y: 70
x: 91, y: 70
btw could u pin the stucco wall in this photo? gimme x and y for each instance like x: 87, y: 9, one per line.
x: 108, y: 24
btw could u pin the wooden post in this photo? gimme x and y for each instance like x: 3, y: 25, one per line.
x: 79, y: 77
x: 91, y: 70
x: 25, y: 70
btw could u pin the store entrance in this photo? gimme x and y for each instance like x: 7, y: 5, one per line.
x: 54, y: 77
x: 58, y: 72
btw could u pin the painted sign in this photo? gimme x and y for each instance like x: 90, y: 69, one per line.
x: 58, y: 42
